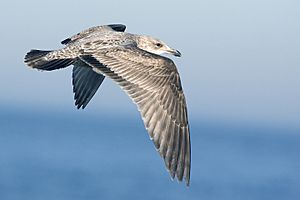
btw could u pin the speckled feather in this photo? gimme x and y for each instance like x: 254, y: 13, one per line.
x: 151, y: 81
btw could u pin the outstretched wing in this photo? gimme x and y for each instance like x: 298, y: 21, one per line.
x: 153, y: 83
x: 85, y: 83
x: 85, y: 33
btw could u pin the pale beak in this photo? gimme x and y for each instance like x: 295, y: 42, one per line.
x: 175, y: 52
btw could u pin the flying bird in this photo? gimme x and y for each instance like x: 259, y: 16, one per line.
x: 135, y: 63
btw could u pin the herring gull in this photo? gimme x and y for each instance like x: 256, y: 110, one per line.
x: 135, y: 63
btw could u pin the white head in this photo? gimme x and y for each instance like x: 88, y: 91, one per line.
x: 155, y: 46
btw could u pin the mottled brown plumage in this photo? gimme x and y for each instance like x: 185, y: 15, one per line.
x: 133, y: 62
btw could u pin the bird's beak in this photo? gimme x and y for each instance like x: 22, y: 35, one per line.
x: 175, y: 52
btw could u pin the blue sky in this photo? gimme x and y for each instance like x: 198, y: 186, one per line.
x: 241, y: 59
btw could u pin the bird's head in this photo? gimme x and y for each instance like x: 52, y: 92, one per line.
x: 155, y: 46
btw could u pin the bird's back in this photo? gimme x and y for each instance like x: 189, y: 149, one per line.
x: 94, y: 31
x: 100, y: 39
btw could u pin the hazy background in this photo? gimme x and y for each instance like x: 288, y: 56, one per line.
x: 240, y: 72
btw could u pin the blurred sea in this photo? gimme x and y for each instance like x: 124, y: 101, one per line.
x: 79, y: 156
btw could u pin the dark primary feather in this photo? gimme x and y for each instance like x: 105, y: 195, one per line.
x: 85, y: 83
x: 117, y: 27
x: 154, y: 85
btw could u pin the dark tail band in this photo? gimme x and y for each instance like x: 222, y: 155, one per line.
x: 37, y: 59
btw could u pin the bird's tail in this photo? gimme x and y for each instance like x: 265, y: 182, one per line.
x: 46, y: 60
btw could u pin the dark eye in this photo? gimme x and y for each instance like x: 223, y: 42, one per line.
x: 158, y: 44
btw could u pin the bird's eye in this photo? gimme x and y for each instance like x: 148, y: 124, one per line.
x: 158, y: 44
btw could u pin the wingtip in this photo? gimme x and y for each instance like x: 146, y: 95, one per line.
x: 173, y: 176
x: 66, y: 41
x: 79, y: 106
x: 187, y: 181
x: 118, y: 27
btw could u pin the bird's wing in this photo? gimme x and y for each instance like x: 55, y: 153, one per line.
x: 92, y: 30
x: 85, y: 83
x: 153, y: 83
